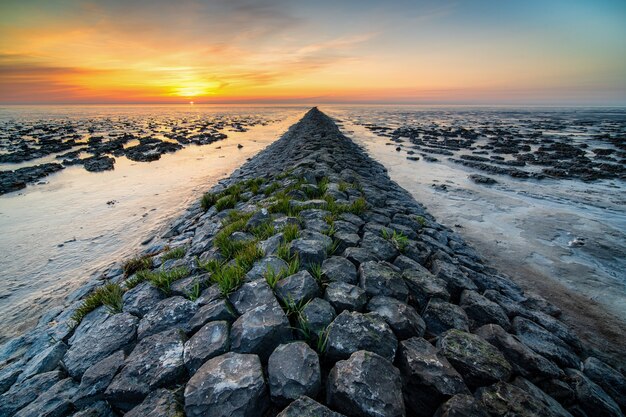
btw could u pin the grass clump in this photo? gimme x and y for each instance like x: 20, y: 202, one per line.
x: 398, y: 239
x: 291, y: 232
x: 228, y: 278
x: 175, y: 253
x: 222, y: 200
x: 208, y: 200
x: 420, y: 220
x: 163, y: 279
x: 226, y: 202
x: 263, y: 231
x: 109, y: 295
x: 247, y: 255
x: 137, y: 264
x: 316, y: 271
x: 270, y: 189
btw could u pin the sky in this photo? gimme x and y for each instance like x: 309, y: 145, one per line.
x: 544, y: 52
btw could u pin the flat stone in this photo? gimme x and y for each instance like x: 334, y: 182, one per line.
x: 293, y: 370
x: 210, y: 341
x: 481, y: 310
x: 297, y: 288
x: 97, y: 378
x: 140, y: 300
x: 230, y: 385
x: 352, y: 331
x: 252, y: 295
x: 423, y: 286
x: 27, y: 391
x: 382, y: 249
x: 173, y: 312
x: 479, y: 362
x: 441, y: 316
x: 306, y: 407
x: 359, y: 255
x: 156, y: 362
x: 53, y: 402
x: 379, y: 279
x: 338, y: 268
x: 611, y: 381
x: 310, y: 252
x: 117, y: 332
x: 45, y: 361
x: 591, y: 397
x: 344, y: 296
x: 366, y: 384
x: 428, y: 378
x: 159, y: 403
x: 263, y: 266
x: 402, y: 318
x: 260, y: 331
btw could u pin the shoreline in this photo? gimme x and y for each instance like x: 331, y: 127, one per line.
x: 357, y: 243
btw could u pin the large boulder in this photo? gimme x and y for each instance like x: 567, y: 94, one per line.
x: 115, y: 333
x: 423, y: 286
x: 502, y: 399
x: 402, y: 318
x: 441, y: 316
x: 591, y: 397
x: 297, y: 288
x: 306, y: 407
x: 317, y: 315
x: 159, y: 403
x: 173, y: 312
x: 251, y: 295
x: 428, y: 378
x: 230, y: 385
x: 352, y: 331
x: 97, y: 378
x: 156, y: 361
x: 338, y: 268
x: 544, y: 343
x: 211, y: 340
x: 366, y: 384
x: 479, y: 362
x: 612, y: 381
x: 23, y: 393
x: 344, y: 296
x: 140, y: 300
x: 260, y: 331
x: 382, y: 249
x: 481, y: 310
x: 54, y: 402
x: 311, y: 251
x: 379, y: 279
x: 293, y: 370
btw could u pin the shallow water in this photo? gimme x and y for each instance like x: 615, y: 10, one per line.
x: 527, y: 224
x: 56, y: 234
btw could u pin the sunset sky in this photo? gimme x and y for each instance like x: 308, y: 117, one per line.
x: 295, y: 51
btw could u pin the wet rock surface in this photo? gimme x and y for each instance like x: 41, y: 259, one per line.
x: 320, y: 277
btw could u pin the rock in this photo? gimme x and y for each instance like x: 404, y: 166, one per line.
x: 345, y: 240
x: 306, y: 407
x: 379, y: 279
x: 382, y: 249
x: 214, y: 311
x: 97, y: 378
x: 481, y: 179
x: 479, y: 362
x: 159, y: 403
x: 544, y: 343
x: 141, y: 299
x: 252, y: 295
x: 428, y: 378
x: 208, y: 295
x: 502, y: 399
x: 423, y: 286
x: 338, y: 268
x: 481, y: 310
x: 593, y: 400
x: 99, y: 409
x: 210, y: 341
x: 27, y: 391
x: 230, y: 385
x: 260, y: 331
x: 9, y: 374
x: 352, y: 331
x: 402, y: 318
x: 344, y: 296
x: 262, y: 267
x: 156, y: 361
x: 311, y: 252
x: 45, y: 361
x: 115, y: 333
x: 523, y: 359
x: 611, y: 381
x: 270, y: 246
x: 441, y: 316
x: 537, y: 302
x: 259, y: 218
x: 555, y: 327
x: 555, y: 409
x: 359, y: 255
x: 366, y: 384
x: 54, y: 402
x: 511, y: 308
x: 457, y: 281
x: 297, y: 289
x: 461, y: 405
x: 186, y: 286
x: 173, y: 312
x: 317, y: 315
x: 293, y: 370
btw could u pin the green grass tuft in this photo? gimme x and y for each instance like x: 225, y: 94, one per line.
x: 109, y: 295
x: 226, y: 202
x: 208, y: 200
x: 263, y: 231
x: 137, y: 264
x: 175, y: 253
x: 316, y: 271
x: 163, y: 279
x: 228, y: 278
x: 291, y: 232
x: 398, y: 239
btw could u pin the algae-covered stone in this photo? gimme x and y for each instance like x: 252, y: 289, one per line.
x: 159, y: 403
x: 461, y: 405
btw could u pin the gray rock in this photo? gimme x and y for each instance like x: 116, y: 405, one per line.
x: 9, y: 374
x: 423, y: 286
x: 402, y: 318
x: 345, y: 240
x: 555, y: 327
x: 523, y: 359
x: 156, y: 361
x: 352, y: 331
x: 173, y: 312
x: 270, y: 246
x: 54, y: 402
x: 293, y: 370
x: 441, y: 316
x: 544, y: 343
x: 417, y: 251
x: 352, y: 218
x: 306, y: 407
x: 359, y: 255
x: 317, y: 315
x: 511, y: 307
x: 382, y: 249
x: 502, y: 399
x: 612, y: 381
x: 344, y: 296
x: 141, y: 299
x: 185, y: 287
x: 555, y: 409
x: 208, y: 295
x: 115, y: 333
x: 592, y: 398
x: 230, y: 385
x: 97, y: 378
x: 210, y: 341
x: 260, y: 330
x: 252, y: 295
x: 536, y: 302
x: 481, y: 310
x: 338, y: 268
x: 258, y: 218
x: 310, y: 251
x: 366, y: 384
x: 45, y: 361
x: 214, y: 311
x: 379, y: 279
x: 99, y: 409
x: 26, y: 392
x: 261, y: 267
x: 455, y: 278
x: 159, y: 403
x: 297, y: 289
x: 479, y: 362
x: 404, y: 263
x: 428, y: 378
x: 460, y: 405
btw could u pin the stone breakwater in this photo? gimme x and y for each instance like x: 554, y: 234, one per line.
x: 307, y: 284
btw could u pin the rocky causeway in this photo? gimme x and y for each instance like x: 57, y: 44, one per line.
x: 306, y: 284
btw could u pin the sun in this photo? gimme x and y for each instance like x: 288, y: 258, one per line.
x: 194, y: 89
